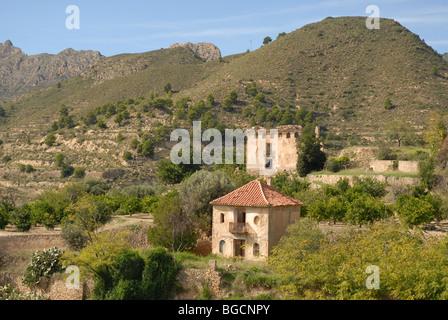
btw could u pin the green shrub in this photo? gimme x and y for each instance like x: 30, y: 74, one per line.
x: 253, y: 278
x: 148, y: 148
x: 44, y: 214
x: 5, y: 210
x: 79, y: 173
x: 388, y: 104
x: 159, y: 275
x: 333, y: 165
x: 6, y: 159
x: 73, y: 234
x: 385, y: 153
x: 426, y: 173
x: 206, y: 293
x: 67, y: 171
x: 59, y: 159
x: 127, y: 156
x: 414, y: 211
x: 21, y: 218
x: 50, y: 140
x: 42, y: 265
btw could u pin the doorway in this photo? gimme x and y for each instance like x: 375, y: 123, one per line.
x: 239, y: 246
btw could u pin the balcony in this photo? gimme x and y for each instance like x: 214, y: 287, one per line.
x: 238, y: 227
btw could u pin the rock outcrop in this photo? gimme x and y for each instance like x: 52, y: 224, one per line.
x: 445, y: 56
x: 206, y: 51
x: 20, y: 73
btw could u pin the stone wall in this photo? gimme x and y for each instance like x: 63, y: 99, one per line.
x: 393, y: 181
x: 193, y: 279
x: 408, y: 166
x: 388, y: 165
x: 381, y: 165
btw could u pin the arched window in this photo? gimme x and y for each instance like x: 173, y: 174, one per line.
x: 288, y: 135
x: 222, y: 246
x: 296, y: 135
x: 256, y: 220
x: 256, y: 249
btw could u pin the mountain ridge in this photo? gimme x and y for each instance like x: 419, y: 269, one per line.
x: 21, y: 73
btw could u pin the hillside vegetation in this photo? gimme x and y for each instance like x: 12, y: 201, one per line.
x: 335, y: 73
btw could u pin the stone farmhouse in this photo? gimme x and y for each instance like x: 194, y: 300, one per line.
x: 250, y: 221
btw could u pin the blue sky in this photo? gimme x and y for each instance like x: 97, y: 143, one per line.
x: 130, y: 26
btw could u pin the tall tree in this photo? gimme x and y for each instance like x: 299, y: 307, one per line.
x: 267, y: 40
x: 310, y: 156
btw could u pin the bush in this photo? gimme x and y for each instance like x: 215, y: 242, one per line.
x: 67, y: 171
x: 434, y: 71
x: 50, y: 140
x: 366, y: 209
x: 426, y: 173
x: 59, y: 159
x: 127, y: 156
x: 201, y: 188
x: 21, y: 218
x: 120, y: 280
x: 79, y: 173
x: 411, y: 267
x: 42, y: 265
x: 336, y: 165
x: 173, y: 227
x: 131, y: 277
x: 385, y: 153
x: 148, y: 148
x: 159, y: 275
x: 43, y: 213
x: 333, y: 165
x: 6, y: 159
x: 414, y: 211
x: 388, y: 104
x: 253, y: 278
x: 5, y: 210
x: 73, y: 234
x: 129, y: 206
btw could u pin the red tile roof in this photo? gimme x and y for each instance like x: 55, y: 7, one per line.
x: 256, y: 194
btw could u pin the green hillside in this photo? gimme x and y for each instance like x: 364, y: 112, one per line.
x: 337, y: 71
x: 338, y: 63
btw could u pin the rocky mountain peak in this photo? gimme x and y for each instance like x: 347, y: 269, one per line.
x: 20, y: 73
x: 206, y: 51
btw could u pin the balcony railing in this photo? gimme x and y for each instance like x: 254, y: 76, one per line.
x: 238, y: 227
